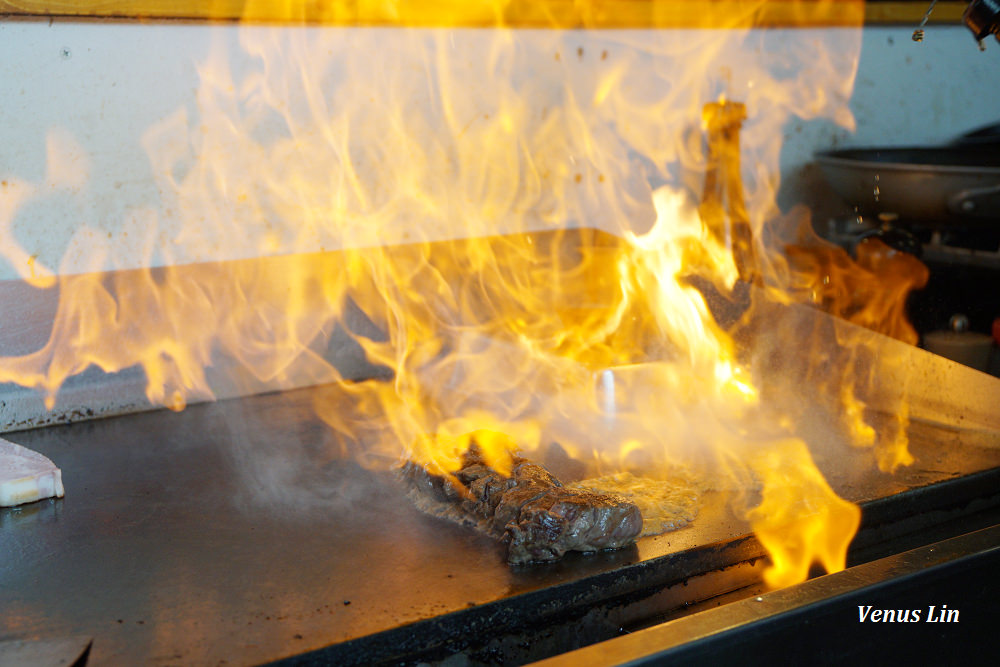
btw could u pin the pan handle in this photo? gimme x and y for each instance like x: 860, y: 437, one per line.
x: 976, y: 202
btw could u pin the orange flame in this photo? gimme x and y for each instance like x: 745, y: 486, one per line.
x: 870, y: 292
x: 436, y: 194
x: 800, y: 519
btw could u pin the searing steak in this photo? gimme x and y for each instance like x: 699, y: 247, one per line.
x: 537, y: 517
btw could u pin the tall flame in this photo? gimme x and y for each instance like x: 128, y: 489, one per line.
x: 512, y: 221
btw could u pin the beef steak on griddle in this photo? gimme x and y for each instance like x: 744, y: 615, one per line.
x: 530, y: 510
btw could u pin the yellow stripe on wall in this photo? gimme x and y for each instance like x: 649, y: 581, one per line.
x: 514, y: 13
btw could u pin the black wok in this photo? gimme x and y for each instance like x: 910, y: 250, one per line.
x: 948, y: 185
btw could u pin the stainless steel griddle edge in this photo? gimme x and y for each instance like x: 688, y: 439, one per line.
x: 818, y: 621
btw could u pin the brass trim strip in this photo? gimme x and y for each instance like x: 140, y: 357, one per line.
x: 601, y: 14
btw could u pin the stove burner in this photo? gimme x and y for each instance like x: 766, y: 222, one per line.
x: 973, y: 245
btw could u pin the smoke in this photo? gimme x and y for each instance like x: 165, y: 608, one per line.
x: 286, y: 461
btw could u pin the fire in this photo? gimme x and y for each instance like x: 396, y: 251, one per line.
x: 870, y: 292
x: 515, y: 225
x: 799, y: 519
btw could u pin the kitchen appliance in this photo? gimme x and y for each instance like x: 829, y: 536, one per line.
x: 163, y: 550
x: 940, y: 203
x: 192, y: 538
x: 961, y: 345
x: 950, y: 185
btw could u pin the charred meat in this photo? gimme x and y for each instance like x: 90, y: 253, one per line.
x: 531, y: 511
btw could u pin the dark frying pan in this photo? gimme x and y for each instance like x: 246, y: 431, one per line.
x: 948, y: 185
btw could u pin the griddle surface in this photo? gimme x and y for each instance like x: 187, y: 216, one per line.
x: 232, y: 533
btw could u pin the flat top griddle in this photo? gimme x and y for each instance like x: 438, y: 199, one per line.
x: 164, y: 552
x: 169, y: 549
